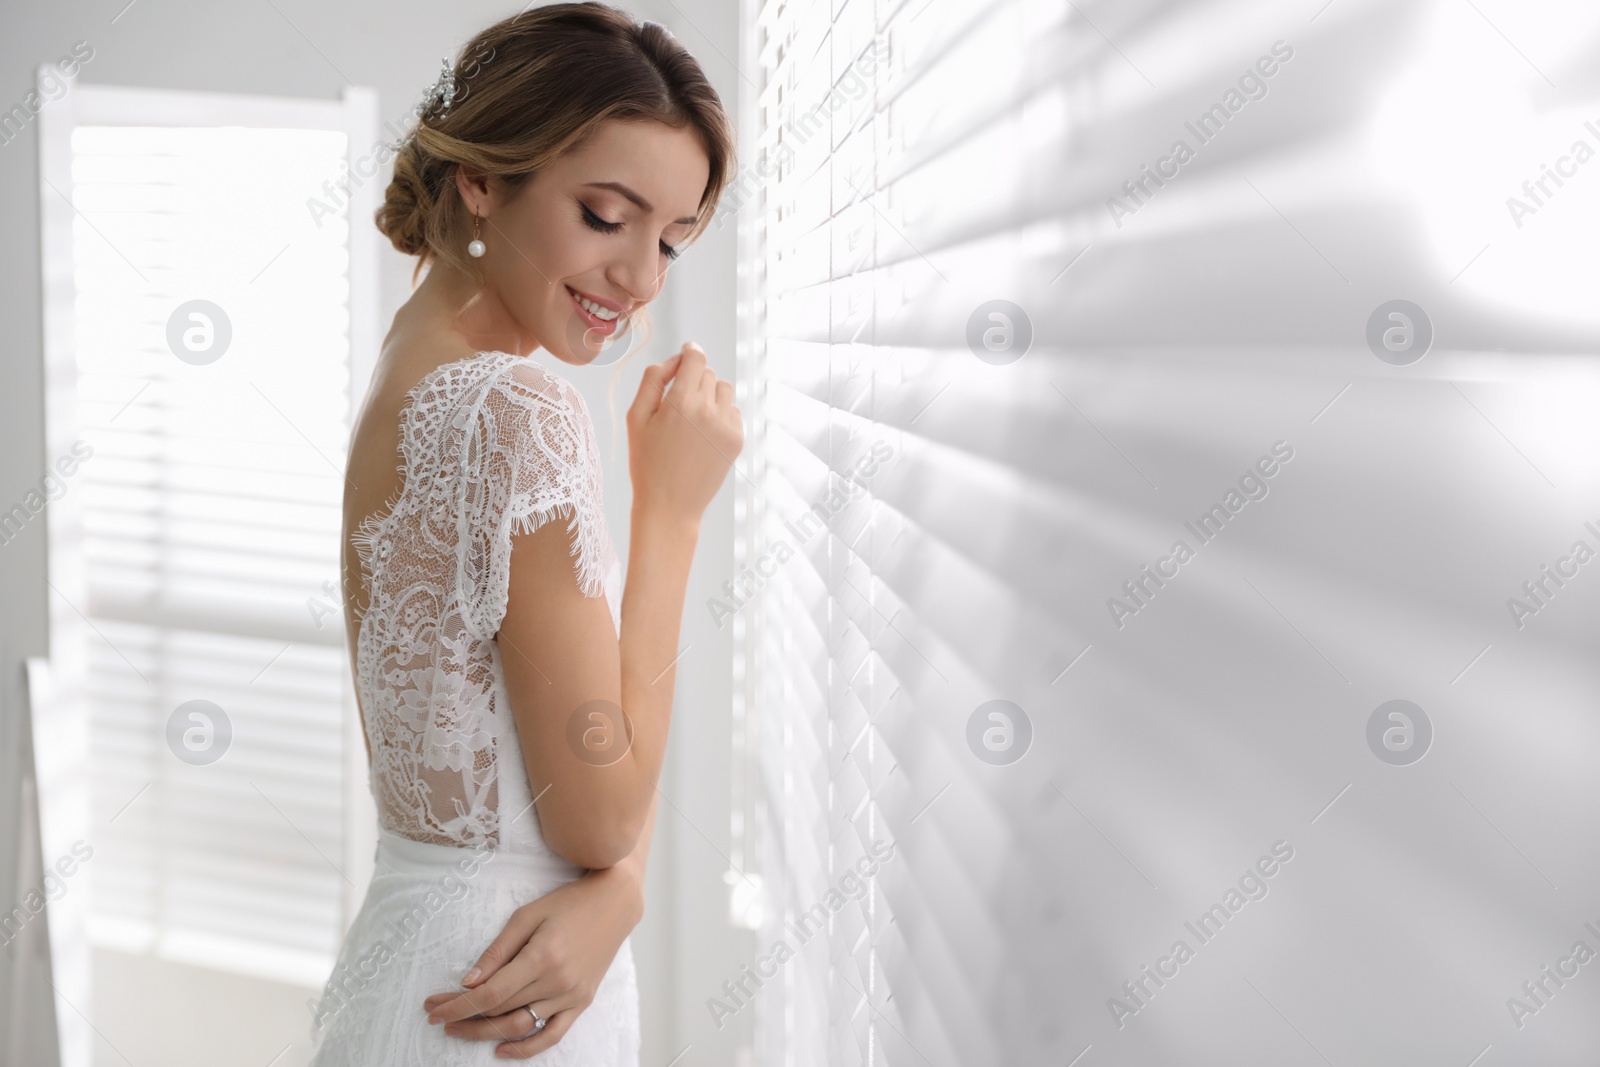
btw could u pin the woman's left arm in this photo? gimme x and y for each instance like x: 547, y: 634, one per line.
x: 552, y: 954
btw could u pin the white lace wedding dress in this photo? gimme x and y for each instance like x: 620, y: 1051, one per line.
x: 491, y: 444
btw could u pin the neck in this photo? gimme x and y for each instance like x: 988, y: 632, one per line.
x: 449, y: 300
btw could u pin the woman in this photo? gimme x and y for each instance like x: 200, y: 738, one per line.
x: 515, y: 721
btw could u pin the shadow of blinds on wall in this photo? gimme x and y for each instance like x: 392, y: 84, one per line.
x: 213, y: 322
x: 926, y: 528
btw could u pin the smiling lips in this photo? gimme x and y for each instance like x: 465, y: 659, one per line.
x: 599, y: 316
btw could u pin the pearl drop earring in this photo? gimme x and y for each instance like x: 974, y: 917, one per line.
x: 475, y: 246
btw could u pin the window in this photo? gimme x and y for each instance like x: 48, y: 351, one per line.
x: 210, y: 319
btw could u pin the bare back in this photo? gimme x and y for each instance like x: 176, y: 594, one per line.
x: 456, y: 454
x: 373, y: 476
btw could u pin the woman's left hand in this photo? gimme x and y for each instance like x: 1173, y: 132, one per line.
x: 551, y: 956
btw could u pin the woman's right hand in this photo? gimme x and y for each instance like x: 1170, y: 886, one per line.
x: 682, y: 440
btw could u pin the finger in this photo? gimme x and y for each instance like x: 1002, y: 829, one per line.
x: 724, y: 392
x: 555, y: 1029
x: 549, y: 986
x: 494, y: 997
x: 465, y: 1005
x: 708, y: 385
x: 504, y: 948
x: 669, y: 366
x: 485, y: 999
x: 512, y: 1026
x: 444, y: 998
x: 532, y: 977
x: 652, y: 386
x: 652, y: 389
x: 689, y: 370
x: 508, y: 1027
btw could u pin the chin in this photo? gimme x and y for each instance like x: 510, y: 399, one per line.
x: 583, y: 355
x: 564, y: 342
x: 582, y: 347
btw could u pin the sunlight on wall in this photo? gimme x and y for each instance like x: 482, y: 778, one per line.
x: 1469, y: 133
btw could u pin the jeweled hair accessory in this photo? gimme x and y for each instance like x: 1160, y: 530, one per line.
x: 435, y: 102
x: 441, y: 94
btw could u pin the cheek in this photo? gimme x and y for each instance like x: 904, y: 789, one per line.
x: 558, y: 252
x: 534, y: 268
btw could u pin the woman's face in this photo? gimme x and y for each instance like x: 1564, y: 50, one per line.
x: 596, y: 224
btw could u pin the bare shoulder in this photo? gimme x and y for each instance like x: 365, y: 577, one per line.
x: 407, y: 358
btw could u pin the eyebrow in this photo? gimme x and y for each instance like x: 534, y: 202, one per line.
x: 644, y: 205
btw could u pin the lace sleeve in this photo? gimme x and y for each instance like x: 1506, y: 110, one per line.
x: 530, y: 456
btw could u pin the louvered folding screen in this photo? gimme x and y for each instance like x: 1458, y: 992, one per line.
x: 211, y: 508
x: 993, y: 372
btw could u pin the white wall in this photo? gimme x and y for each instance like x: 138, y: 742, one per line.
x: 299, y: 48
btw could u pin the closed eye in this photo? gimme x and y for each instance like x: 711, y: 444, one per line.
x: 595, y: 222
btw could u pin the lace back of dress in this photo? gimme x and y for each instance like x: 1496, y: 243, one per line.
x: 490, y: 446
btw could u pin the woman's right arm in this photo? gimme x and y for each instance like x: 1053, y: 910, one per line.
x: 567, y: 672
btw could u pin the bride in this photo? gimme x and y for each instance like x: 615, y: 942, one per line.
x: 515, y: 694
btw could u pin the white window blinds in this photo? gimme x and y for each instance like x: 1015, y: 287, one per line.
x: 843, y: 161
x: 984, y: 406
x: 210, y: 245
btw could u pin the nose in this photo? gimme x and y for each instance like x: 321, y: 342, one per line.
x: 639, y: 272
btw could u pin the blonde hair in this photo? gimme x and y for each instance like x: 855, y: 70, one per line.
x: 531, y: 88
x: 528, y: 90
